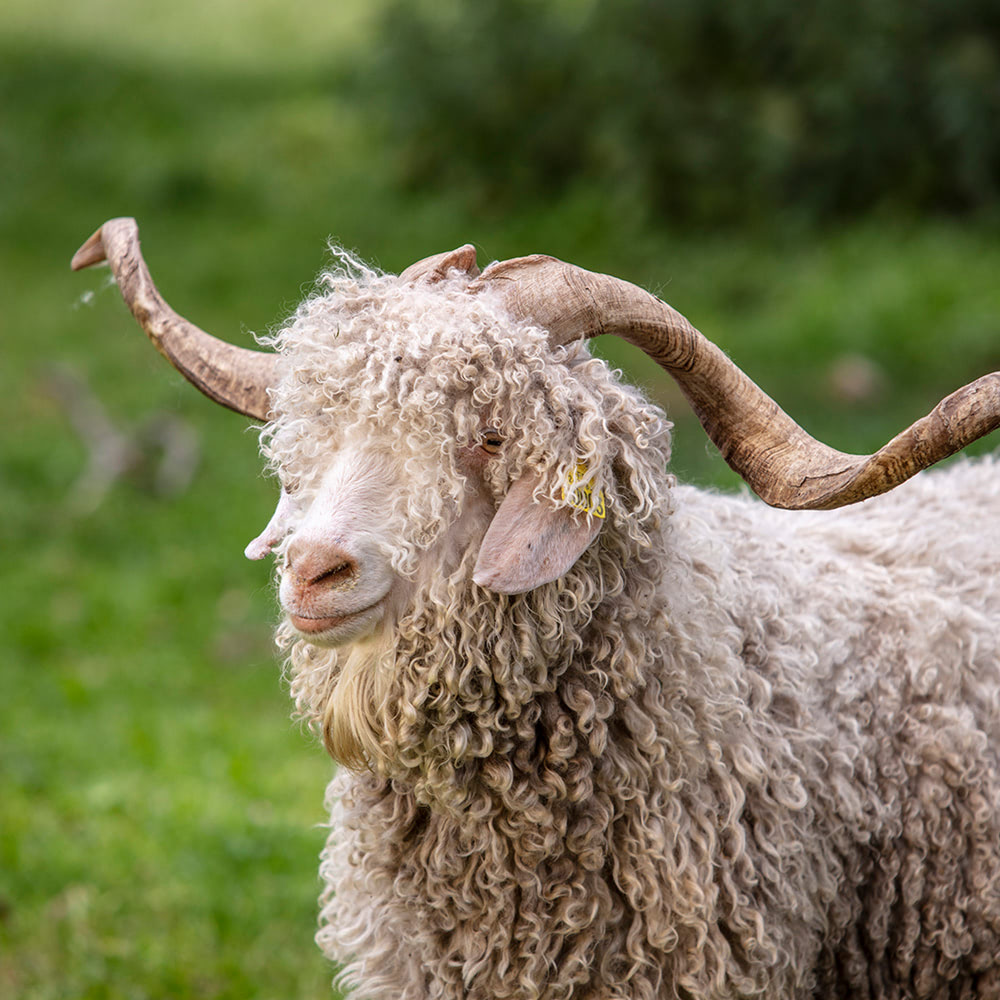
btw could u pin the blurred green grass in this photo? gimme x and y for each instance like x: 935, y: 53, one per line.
x: 158, y: 809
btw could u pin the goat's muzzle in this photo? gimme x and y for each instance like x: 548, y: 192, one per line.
x: 329, y: 593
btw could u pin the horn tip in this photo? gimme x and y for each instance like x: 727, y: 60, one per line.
x: 92, y: 252
x: 121, y: 232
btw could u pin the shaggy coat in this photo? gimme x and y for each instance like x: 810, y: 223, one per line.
x: 732, y: 752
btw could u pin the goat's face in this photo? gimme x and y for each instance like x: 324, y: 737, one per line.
x: 336, y: 576
x: 421, y: 436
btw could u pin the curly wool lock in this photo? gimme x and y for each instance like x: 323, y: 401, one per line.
x: 730, y: 752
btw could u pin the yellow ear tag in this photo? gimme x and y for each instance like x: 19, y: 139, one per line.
x: 582, y: 497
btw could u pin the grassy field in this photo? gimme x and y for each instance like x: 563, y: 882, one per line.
x: 159, y: 811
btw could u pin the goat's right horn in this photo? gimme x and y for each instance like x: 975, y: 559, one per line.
x: 781, y: 463
x: 434, y: 269
x: 236, y: 377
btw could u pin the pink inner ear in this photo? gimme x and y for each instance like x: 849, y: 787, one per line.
x: 531, y: 542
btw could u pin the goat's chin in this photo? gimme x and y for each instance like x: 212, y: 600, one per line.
x: 339, y: 630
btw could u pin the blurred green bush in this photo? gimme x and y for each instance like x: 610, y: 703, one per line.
x: 703, y: 110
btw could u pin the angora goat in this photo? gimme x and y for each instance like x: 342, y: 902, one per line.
x: 605, y: 736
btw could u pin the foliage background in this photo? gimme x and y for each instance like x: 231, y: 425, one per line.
x: 817, y: 191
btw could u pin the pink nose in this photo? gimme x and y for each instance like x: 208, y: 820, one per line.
x: 320, y: 566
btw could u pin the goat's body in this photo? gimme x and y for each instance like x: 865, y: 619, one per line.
x: 803, y: 798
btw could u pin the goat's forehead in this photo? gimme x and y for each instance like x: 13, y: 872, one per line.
x: 358, y: 471
x: 388, y: 315
x: 410, y: 347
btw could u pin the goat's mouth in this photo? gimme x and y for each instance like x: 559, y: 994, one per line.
x: 332, y: 630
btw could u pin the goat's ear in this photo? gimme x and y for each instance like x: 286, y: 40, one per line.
x: 531, y: 542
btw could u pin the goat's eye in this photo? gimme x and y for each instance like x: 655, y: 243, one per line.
x: 490, y: 441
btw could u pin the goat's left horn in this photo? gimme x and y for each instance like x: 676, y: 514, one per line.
x: 781, y: 463
x: 236, y: 377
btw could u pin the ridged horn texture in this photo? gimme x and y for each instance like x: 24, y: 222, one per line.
x: 781, y: 463
x: 236, y: 377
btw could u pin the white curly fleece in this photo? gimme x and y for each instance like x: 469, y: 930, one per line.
x: 732, y: 752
